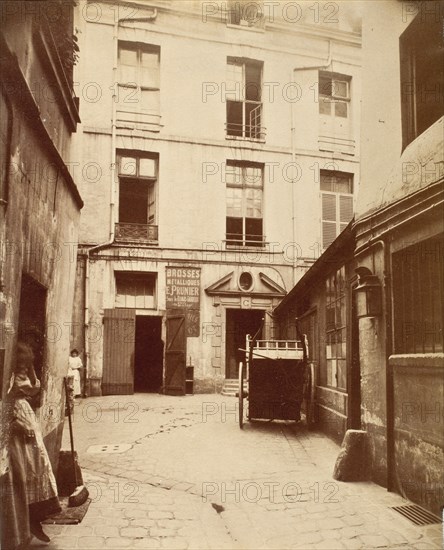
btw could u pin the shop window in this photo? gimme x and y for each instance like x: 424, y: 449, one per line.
x: 418, y: 282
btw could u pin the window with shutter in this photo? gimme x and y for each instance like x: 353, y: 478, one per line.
x: 337, y: 203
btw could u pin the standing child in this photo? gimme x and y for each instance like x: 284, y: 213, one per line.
x: 75, y: 364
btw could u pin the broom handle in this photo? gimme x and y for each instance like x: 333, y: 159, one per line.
x: 71, y: 437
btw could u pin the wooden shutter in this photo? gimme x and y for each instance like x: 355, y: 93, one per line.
x: 118, y: 351
x: 175, y: 354
x: 328, y: 219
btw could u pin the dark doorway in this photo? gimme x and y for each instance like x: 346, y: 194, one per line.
x: 148, y: 360
x: 32, y: 317
x: 239, y: 323
x: 354, y: 382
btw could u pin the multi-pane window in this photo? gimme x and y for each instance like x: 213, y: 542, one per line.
x: 336, y: 332
x: 135, y: 290
x: 334, y: 95
x: 243, y: 99
x: 139, y: 78
x: 137, y: 188
x: 337, y: 204
x: 418, y: 309
x: 422, y: 76
x: 244, y: 204
x: 334, y: 105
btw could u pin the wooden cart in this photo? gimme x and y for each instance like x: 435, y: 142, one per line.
x: 276, y: 380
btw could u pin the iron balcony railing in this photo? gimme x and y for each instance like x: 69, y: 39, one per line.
x: 136, y: 232
x: 234, y: 240
x: 252, y: 129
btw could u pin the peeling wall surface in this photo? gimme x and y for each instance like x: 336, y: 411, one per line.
x: 39, y: 216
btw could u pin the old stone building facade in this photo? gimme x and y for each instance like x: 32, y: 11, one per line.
x: 39, y: 205
x: 399, y: 238
x: 219, y: 153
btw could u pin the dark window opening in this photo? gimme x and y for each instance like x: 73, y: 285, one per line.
x: 137, y: 196
x: 418, y: 282
x: 422, y: 76
x: 32, y: 322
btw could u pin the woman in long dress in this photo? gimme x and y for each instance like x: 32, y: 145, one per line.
x: 75, y: 364
x: 33, y: 495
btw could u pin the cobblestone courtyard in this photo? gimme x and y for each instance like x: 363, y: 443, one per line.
x: 185, y: 476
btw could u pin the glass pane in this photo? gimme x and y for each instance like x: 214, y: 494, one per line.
x: 234, y: 202
x: 234, y: 84
x: 253, y: 176
x: 233, y: 174
x: 341, y: 109
x: 128, y: 56
x: 254, y: 203
x: 147, y: 167
x: 325, y: 85
x: 340, y: 88
x: 324, y: 106
x: 128, y: 166
x: 150, y: 60
x: 150, y: 101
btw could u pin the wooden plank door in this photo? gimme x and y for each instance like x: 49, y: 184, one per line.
x: 175, y: 354
x: 118, y: 351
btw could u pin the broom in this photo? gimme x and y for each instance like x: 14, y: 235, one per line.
x: 80, y: 494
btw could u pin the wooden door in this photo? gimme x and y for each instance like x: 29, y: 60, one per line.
x: 118, y: 351
x: 175, y: 354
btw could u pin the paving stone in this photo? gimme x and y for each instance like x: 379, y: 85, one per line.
x: 352, y: 544
x: 91, y: 542
x: 353, y: 521
x: 106, y: 530
x: 177, y: 543
x: 133, y: 532
x: 146, y: 543
x: 333, y: 523
x: 159, y: 514
x: 64, y: 542
x: 162, y: 532
x: 374, y: 541
x: 118, y: 542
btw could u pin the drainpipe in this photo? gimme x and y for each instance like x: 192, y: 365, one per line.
x: 325, y: 66
x: 112, y: 170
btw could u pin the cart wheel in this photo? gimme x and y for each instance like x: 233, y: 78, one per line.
x: 309, y: 394
x: 241, y: 396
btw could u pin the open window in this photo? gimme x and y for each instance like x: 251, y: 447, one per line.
x: 137, y: 196
x: 334, y: 105
x: 243, y: 99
